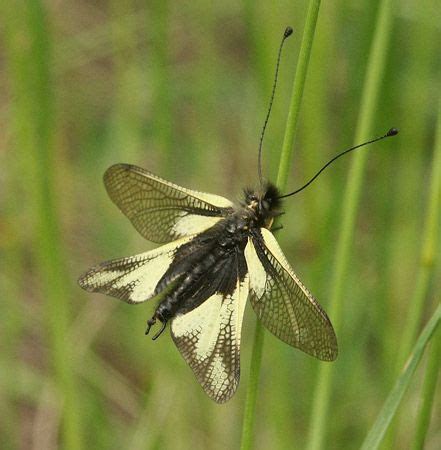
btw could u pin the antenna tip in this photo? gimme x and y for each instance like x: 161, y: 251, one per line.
x: 288, y: 32
x: 392, y: 132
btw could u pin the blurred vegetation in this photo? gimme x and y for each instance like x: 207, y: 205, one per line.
x: 181, y: 88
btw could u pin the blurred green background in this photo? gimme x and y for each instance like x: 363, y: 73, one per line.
x: 181, y: 89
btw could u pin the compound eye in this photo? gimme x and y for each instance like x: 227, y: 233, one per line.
x: 265, y: 204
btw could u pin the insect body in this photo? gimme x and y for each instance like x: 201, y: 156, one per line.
x: 215, y: 255
x: 219, y: 255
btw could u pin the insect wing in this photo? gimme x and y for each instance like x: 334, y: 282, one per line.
x: 159, y: 210
x: 208, y: 338
x: 134, y: 278
x: 283, y: 304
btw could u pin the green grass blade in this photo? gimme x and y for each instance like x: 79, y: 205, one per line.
x: 30, y: 52
x: 427, y: 264
x: 285, y: 158
x: 297, y: 93
x: 429, y: 389
x: 251, y: 396
x: 371, y: 91
x: 376, y: 434
x: 429, y: 254
x: 14, y: 273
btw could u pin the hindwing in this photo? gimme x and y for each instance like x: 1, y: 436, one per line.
x: 208, y: 338
x: 162, y: 211
x: 281, y: 301
x: 133, y: 278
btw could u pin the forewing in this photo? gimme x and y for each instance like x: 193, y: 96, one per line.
x: 134, y: 278
x: 208, y: 338
x: 283, y: 304
x: 159, y: 210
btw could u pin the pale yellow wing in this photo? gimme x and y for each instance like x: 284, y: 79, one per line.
x: 208, y: 338
x: 283, y: 304
x: 162, y: 211
x: 133, y: 278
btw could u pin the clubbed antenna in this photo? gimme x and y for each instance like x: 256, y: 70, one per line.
x: 286, y: 34
x: 391, y: 132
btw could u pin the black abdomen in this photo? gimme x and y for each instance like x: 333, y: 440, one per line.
x: 211, y: 263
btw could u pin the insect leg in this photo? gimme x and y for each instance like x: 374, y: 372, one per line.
x: 279, y: 227
x: 150, y: 323
x: 164, y: 324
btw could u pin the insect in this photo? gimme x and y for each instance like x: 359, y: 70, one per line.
x: 214, y: 256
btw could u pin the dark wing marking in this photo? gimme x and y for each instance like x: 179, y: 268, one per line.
x: 208, y: 338
x: 159, y: 210
x: 283, y: 304
x: 134, y: 278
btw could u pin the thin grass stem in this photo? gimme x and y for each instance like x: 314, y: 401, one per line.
x: 428, y: 261
x: 387, y: 413
x: 34, y: 103
x: 370, y: 96
x: 428, y: 395
x: 425, y: 271
x: 297, y: 93
x: 250, y: 401
x: 284, y: 166
x: 428, y: 253
x: 14, y: 273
